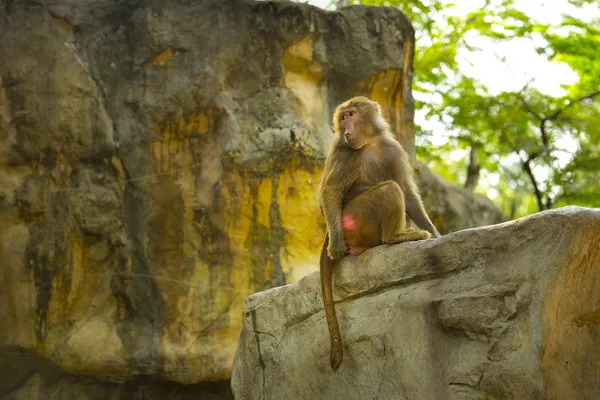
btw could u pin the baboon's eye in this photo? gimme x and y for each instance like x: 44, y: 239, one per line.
x: 343, y: 117
x: 351, y: 113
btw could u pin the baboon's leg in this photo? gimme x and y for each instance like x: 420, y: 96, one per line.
x: 385, y: 213
x: 362, y: 217
x: 393, y: 222
x: 393, y: 218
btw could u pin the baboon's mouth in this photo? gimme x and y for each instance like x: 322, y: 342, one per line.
x: 353, y: 144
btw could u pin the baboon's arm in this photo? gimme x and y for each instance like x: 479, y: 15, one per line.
x: 417, y: 213
x: 414, y: 205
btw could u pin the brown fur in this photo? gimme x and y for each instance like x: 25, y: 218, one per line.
x: 367, y: 176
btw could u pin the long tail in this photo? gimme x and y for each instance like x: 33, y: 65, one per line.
x: 326, y: 266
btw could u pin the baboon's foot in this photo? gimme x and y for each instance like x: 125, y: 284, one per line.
x: 409, y: 236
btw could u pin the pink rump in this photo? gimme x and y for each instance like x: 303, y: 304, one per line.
x: 348, y: 222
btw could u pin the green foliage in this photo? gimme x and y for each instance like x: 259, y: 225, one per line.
x: 544, y: 149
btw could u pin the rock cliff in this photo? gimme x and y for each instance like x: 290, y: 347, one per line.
x: 158, y: 164
x: 510, y: 311
x: 452, y: 208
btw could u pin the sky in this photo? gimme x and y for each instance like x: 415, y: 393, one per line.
x: 522, y: 65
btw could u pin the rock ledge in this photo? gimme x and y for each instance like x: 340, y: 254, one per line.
x: 497, y: 312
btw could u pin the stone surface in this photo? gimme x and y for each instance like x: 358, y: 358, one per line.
x: 452, y: 208
x: 158, y: 164
x: 508, y: 311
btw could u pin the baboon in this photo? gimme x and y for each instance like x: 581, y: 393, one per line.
x: 366, y: 189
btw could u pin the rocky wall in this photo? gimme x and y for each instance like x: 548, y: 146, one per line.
x: 158, y: 164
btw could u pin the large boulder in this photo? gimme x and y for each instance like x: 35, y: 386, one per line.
x: 158, y: 164
x: 510, y: 311
x: 452, y: 208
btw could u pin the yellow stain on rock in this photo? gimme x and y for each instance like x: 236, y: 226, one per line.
x: 175, y: 136
x: 18, y: 294
x: 200, y: 324
x: 82, y: 307
x: 262, y: 201
x: 198, y: 123
x: 164, y: 57
x: 570, y: 315
x: 78, y: 261
x: 387, y: 88
x: 301, y: 220
x: 239, y: 201
x: 303, y: 75
x: 63, y: 23
x: 199, y: 338
x: 180, y: 155
x: 120, y: 171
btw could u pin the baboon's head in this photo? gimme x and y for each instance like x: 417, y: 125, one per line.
x: 358, y: 121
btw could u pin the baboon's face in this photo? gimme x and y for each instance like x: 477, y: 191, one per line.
x: 353, y: 128
x: 357, y: 122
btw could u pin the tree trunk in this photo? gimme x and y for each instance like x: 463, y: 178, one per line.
x: 536, y: 190
x: 473, y: 170
x: 513, y: 209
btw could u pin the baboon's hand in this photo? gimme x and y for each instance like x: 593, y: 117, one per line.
x: 336, y: 248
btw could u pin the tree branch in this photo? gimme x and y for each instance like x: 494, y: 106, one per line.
x: 473, y: 170
x: 528, y: 107
x: 572, y: 103
x: 536, y: 189
x: 543, y: 120
x: 529, y: 171
x: 544, y: 134
x: 548, y: 202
